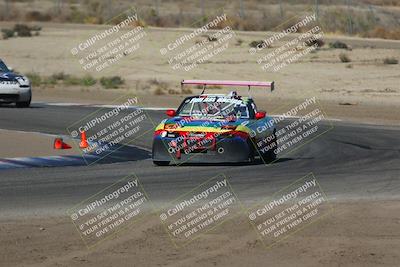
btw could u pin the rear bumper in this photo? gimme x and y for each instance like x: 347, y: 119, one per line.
x: 225, y: 150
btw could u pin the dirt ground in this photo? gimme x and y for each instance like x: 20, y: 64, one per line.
x: 16, y: 144
x: 356, y: 233
x: 364, y: 112
x: 364, y: 233
x: 364, y: 89
x: 364, y: 82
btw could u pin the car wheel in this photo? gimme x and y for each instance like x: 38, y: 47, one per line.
x: 161, y: 163
x: 252, y: 149
x: 24, y: 104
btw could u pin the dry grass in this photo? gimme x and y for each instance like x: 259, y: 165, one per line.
x: 159, y: 91
x: 256, y: 16
x: 383, y: 33
x: 187, y: 91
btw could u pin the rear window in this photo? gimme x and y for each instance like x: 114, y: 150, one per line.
x: 215, y: 107
x: 3, y: 67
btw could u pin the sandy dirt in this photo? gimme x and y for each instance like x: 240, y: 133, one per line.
x: 364, y: 233
x: 355, y: 233
x: 23, y: 144
x: 365, y: 83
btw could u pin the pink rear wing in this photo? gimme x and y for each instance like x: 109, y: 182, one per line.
x: 230, y: 83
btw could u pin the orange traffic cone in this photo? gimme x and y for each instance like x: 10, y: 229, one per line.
x: 59, y: 144
x: 83, y: 143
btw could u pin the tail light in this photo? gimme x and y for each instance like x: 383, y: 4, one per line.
x: 159, y: 132
x: 170, y: 113
x: 260, y: 115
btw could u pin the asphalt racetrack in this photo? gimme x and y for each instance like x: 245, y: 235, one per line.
x: 351, y: 161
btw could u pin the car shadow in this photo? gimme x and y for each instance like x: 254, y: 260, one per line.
x: 255, y: 162
x: 123, y: 154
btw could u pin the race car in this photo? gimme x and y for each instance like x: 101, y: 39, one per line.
x: 215, y: 128
x: 14, y: 88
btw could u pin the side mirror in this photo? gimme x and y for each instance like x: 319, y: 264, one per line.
x: 170, y: 113
x: 260, y: 115
x: 11, y: 69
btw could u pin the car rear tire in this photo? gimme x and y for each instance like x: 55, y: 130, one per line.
x: 161, y: 163
x: 270, y: 155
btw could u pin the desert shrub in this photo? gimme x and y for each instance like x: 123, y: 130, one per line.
x: 187, y: 91
x: 35, y: 78
x: 390, y: 60
x: 56, y: 78
x: 88, y: 80
x: 199, y: 86
x: 338, y: 45
x: 59, y: 76
x: 71, y: 80
x: 37, y: 16
x: 315, y: 42
x: 22, y: 30
x: 7, y: 33
x: 258, y: 43
x: 49, y: 81
x: 158, y: 83
x: 113, y: 82
x: 344, y: 58
x: 159, y: 91
x: 173, y: 92
x: 36, y: 28
x: 84, y: 81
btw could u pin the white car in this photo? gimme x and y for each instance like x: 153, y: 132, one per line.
x: 14, y: 88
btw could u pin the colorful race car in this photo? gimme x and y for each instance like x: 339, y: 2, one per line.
x: 215, y: 128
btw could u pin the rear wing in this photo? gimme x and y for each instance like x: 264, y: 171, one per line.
x: 204, y: 83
